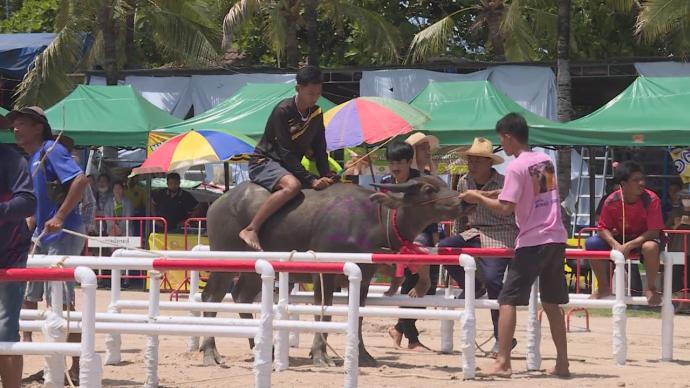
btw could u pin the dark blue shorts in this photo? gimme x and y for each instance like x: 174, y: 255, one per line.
x: 266, y: 172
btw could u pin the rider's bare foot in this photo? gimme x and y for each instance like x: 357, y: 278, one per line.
x: 653, y: 297
x: 560, y: 370
x: 395, y: 335
x: 418, y: 346
x: 601, y: 293
x: 251, y: 238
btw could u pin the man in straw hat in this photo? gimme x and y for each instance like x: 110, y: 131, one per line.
x: 423, y: 146
x: 59, y: 185
x: 480, y: 227
x: 17, y: 202
x: 531, y: 192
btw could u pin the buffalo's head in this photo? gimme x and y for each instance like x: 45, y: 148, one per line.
x: 427, y: 196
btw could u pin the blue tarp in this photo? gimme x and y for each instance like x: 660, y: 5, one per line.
x: 17, y: 52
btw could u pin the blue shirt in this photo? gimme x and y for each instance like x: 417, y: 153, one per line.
x: 17, y: 202
x: 58, y: 165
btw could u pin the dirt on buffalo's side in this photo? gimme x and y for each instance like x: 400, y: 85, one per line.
x: 590, y: 354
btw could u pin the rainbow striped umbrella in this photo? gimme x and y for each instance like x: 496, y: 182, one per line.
x: 194, y: 148
x: 370, y: 120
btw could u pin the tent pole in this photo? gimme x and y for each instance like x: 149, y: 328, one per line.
x: 371, y: 166
x: 226, y: 172
x: 147, y: 225
x: 592, y: 187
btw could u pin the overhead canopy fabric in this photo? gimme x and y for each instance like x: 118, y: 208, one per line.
x: 245, y: 113
x: 106, y: 116
x: 650, y: 112
x: 17, y: 51
x: 461, y: 111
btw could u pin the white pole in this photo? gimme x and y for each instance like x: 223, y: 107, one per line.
x: 283, y: 336
x: 193, y: 343
x: 620, y: 343
x: 113, y: 342
x: 469, y: 319
x: 53, y: 331
x: 151, y: 352
x: 264, y: 336
x: 351, y: 364
x: 446, y: 326
x: 533, y: 330
x: 294, y: 335
x: 90, y: 371
x: 667, y: 310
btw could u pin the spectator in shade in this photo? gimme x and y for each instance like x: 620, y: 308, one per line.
x: 119, y: 206
x: 173, y: 203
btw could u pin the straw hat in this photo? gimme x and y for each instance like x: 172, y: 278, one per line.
x: 482, y: 147
x: 419, y: 137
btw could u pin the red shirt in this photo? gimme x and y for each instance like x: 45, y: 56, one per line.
x: 641, y: 216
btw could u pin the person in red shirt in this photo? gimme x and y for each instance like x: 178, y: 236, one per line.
x: 630, y: 222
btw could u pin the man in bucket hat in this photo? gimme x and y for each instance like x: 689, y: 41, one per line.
x: 481, y: 228
x: 59, y: 185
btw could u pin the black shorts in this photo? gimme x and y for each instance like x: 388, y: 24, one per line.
x: 266, y: 172
x: 542, y: 261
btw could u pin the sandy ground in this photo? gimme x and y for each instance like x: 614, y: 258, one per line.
x: 590, y: 354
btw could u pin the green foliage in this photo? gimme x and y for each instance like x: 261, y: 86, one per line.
x: 33, y: 16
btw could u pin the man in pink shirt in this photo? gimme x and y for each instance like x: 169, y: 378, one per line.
x: 531, y: 192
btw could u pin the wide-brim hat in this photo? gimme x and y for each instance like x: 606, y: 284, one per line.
x: 484, y: 148
x: 419, y: 137
x: 35, y: 113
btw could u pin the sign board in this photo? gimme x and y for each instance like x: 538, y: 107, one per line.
x: 115, y: 242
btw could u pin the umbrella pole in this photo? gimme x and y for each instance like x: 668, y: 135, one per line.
x: 371, y: 166
x: 226, y: 172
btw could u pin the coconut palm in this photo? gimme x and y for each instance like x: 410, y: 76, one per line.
x: 280, y: 21
x: 668, y: 20
x: 99, y: 33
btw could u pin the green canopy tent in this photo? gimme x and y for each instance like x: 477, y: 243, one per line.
x: 245, y: 113
x: 115, y: 116
x: 461, y: 111
x: 650, y: 112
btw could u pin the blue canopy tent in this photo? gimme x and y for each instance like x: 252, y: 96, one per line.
x: 17, y: 52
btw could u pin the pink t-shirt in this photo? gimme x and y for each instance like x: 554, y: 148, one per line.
x: 532, y: 186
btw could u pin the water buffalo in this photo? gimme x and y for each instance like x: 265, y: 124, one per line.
x: 341, y: 218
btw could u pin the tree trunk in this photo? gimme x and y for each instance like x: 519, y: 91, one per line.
x: 493, y: 19
x: 131, y: 61
x: 564, y: 98
x: 291, y: 13
x: 107, y: 25
x: 312, y: 32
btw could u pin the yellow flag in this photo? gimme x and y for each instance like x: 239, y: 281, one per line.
x: 681, y: 161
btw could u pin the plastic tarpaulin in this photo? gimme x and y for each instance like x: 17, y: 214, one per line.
x: 115, y: 116
x: 245, y: 113
x: 653, y: 111
x: 663, y: 69
x: 207, y: 91
x: 533, y: 87
x: 461, y: 111
x: 17, y: 51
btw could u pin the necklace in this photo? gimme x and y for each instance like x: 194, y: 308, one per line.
x: 304, y: 118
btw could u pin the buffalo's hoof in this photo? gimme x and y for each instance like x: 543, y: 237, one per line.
x: 212, y: 357
x: 320, y: 358
x: 365, y: 359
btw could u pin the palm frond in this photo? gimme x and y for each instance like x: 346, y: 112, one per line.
x: 47, y: 81
x: 520, y: 41
x: 382, y: 36
x: 433, y: 40
x: 623, y: 5
x: 240, y: 11
x: 275, y: 29
x: 660, y: 17
x: 184, y: 40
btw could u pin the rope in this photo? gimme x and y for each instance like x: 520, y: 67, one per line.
x: 323, y: 306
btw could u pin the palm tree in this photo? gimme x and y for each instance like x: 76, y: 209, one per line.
x: 90, y: 33
x: 668, y: 20
x: 564, y: 97
x: 281, y: 19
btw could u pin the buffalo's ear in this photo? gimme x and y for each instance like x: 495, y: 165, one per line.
x: 408, y: 187
x: 386, y: 200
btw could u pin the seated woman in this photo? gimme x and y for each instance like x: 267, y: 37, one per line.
x: 118, y: 206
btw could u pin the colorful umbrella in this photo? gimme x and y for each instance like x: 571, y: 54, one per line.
x: 369, y: 120
x: 194, y: 148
